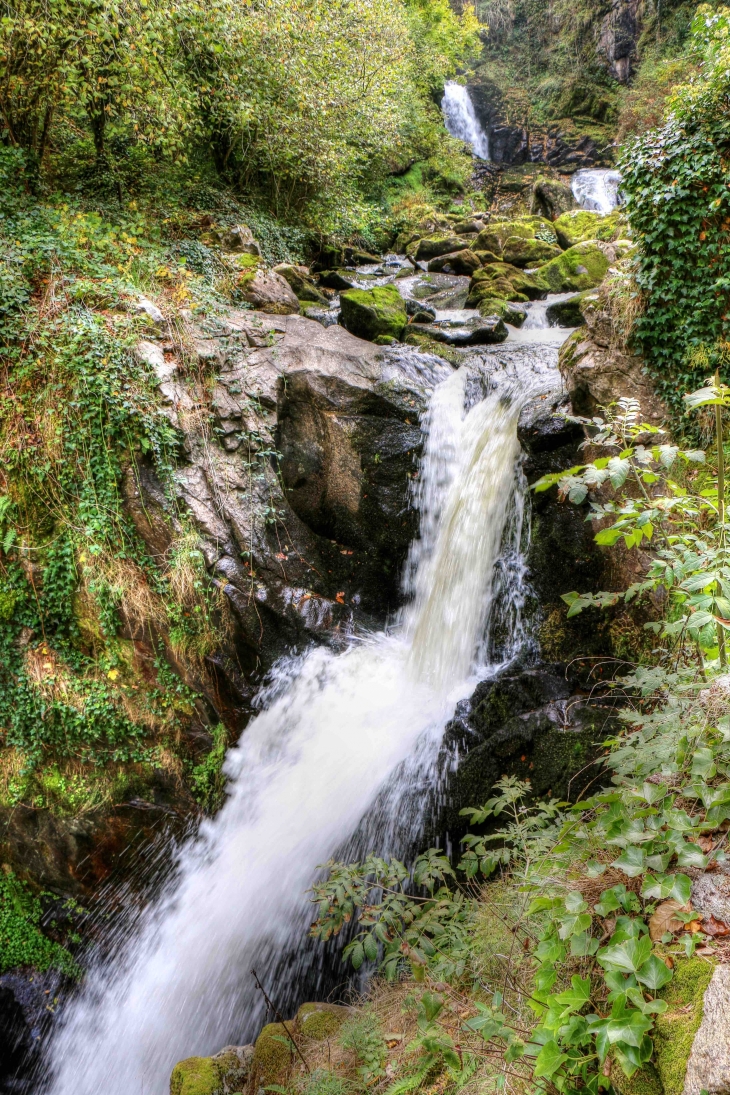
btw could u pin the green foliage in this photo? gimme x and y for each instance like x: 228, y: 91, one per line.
x: 676, y: 183
x: 23, y: 943
x: 207, y: 779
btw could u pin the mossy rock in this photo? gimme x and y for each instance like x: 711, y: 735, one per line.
x: 321, y: 1021
x: 433, y: 246
x: 522, y: 252
x: 579, y: 225
x: 272, y: 1054
x: 675, y: 1030
x: 369, y: 313
x: 567, y: 313
x: 463, y: 263
x: 507, y: 310
x: 196, y: 1076
x: 523, y: 286
x: 551, y: 198
x: 494, y: 236
x: 581, y: 267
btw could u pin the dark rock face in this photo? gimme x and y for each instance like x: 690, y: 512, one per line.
x: 515, y: 143
x: 528, y: 724
x: 27, y: 1002
x: 619, y: 35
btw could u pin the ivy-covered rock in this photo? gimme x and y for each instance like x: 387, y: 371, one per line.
x: 368, y: 313
x: 581, y: 267
x: 459, y: 262
x: 579, y: 225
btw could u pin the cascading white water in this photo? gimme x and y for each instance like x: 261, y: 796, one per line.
x: 596, y: 189
x: 339, y: 733
x: 461, y: 120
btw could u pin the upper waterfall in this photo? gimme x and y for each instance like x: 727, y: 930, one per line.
x: 461, y: 120
x: 596, y: 189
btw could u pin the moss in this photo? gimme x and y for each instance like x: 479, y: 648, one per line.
x: 676, y: 1029
x: 644, y: 1082
x: 512, y: 283
x: 272, y: 1054
x: 528, y: 252
x: 581, y: 267
x: 505, y: 309
x: 321, y: 1021
x: 368, y: 313
x: 580, y: 225
x: 196, y: 1076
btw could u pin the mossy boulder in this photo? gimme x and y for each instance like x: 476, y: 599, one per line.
x: 321, y: 1021
x: 272, y: 1055
x: 508, y: 310
x: 301, y: 282
x: 494, y: 236
x: 459, y: 262
x: 551, y: 198
x: 196, y: 1076
x: 581, y: 267
x: 508, y: 281
x: 369, y: 313
x: 336, y: 279
x: 567, y: 313
x: 433, y: 246
x: 676, y: 1029
x: 579, y: 225
x: 522, y: 252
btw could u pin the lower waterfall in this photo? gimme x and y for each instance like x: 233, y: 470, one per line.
x: 461, y: 121
x: 343, y: 744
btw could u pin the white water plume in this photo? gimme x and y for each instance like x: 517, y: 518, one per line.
x: 339, y: 733
x: 596, y: 189
x: 461, y: 121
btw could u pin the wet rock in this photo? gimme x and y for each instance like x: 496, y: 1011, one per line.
x: 510, y: 311
x: 482, y: 332
x: 225, y: 1073
x: 423, y: 316
x: 566, y: 313
x: 550, y: 198
x: 458, y: 262
x: 583, y: 266
x: 370, y: 313
x: 501, y: 279
x: 270, y: 293
x: 328, y: 317
x: 416, y: 308
x: 336, y: 279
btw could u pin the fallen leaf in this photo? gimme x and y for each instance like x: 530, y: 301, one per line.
x: 718, y: 929
x: 706, y: 843
x: 664, y: 919
x: 669, y: 961
x: 705, y: 950
x: 693, y: 926
x: 113, y: 674
x: 340, y: 598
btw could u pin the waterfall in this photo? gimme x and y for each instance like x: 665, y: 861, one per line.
x: 596, y: 189
x: 345, y: 743
x: 461, y: 120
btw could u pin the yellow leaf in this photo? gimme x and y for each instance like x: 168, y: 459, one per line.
x: 113, y: 674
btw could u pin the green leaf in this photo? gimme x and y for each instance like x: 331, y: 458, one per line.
x: 632, y: 862
x: 654, y: 974
x: 549, y: 1059
x: 628, y: 956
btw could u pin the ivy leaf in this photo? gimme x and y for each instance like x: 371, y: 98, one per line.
x: 631, y: 862
x: 549, y: 1059
x: 628, y: 956
x: 627, y: 1025
x: 654, y: 974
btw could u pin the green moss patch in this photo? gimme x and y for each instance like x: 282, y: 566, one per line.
x: 369, y: 313
x: 581, y: 267
x: 196, y: 1076
x: 272, y: 1054
x: 676, y: 1029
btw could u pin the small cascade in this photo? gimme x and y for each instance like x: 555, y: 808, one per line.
x: 344, y: 754
x: 596, y: 189
x: 461, y: 120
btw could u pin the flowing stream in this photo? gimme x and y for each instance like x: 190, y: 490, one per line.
x: 461, y: 121
x: 345, y: 748
x: 596, y: 189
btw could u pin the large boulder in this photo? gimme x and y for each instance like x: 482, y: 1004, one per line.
x: 550, y: 198
x: 523, y: 252
x: 485, y: 331
x: 494, y: 236
x: 321, y: 1021
x: 567, y: 313
x: 581, y: 267
x: 270, y: 293
x: 579, y: 225
x: 225, y: 1073
x: 501, y: 279
x: 463, y: 263
x: 510, y: 311
x: 433, y: 246
x: 273, y: 1055
x: 373, y: 313
x: 239, y: 240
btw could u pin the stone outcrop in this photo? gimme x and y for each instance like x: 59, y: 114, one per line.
x: 619, y: 35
